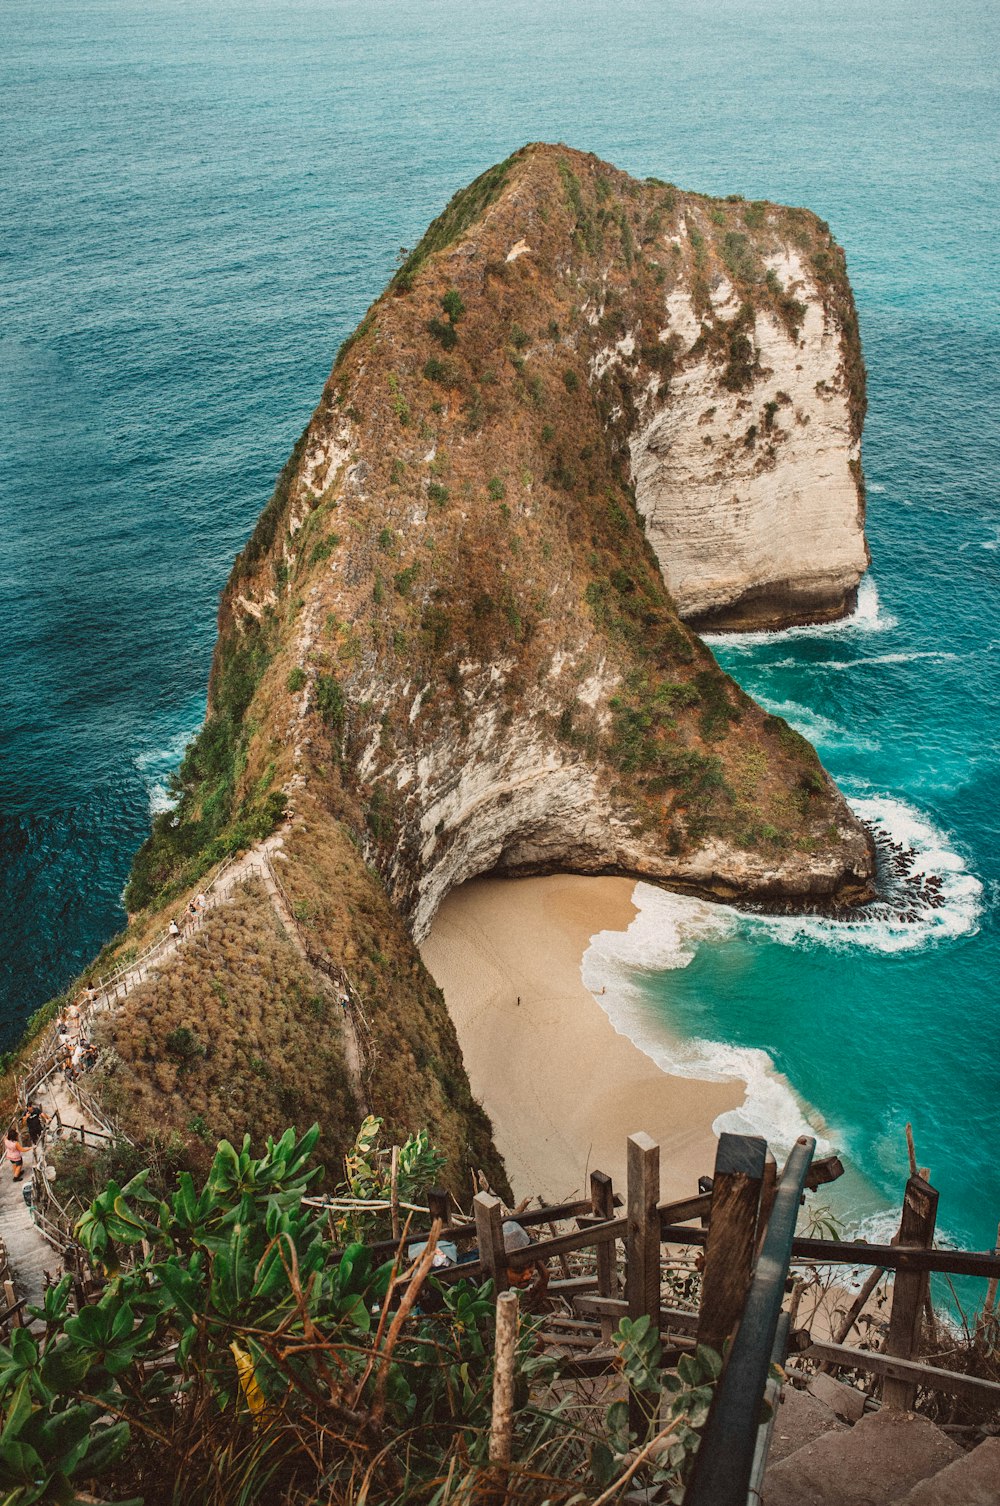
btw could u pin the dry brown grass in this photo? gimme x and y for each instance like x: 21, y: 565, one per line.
x: 528, y: 545
x: 236, y: 1035
x: 531, y: 544
x: 419, y: 1078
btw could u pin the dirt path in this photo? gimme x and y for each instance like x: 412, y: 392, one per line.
x: 30, y: 1254
x: 348, y: 1029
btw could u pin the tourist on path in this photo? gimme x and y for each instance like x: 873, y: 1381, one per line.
x: 35, y: 1120
x: 14, y: 1151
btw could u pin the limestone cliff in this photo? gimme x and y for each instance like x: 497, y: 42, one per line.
x: 449, y: 645
x: 748, y: 474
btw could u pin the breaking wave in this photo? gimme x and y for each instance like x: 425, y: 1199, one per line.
x: 665, y: 935
x: 868, y: 617
x: 936, y: 656
x: 927, y: 895
x: 155, y: 765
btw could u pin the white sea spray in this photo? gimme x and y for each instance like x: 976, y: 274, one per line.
x: 669, y: 928
x: 867, y: 617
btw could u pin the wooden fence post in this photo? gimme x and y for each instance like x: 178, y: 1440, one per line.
x: 489, y: 1234
x: 909, y: 1291
x: 643, y: 1232
x: 16, y: 1319
x: 732, y: 1235
x: 602, y: 1205
x: 505, y: 1353
x: 438, y: 1204
x: 642, y: 1244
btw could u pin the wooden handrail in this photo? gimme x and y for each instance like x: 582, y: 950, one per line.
x: 898, y: 1257
x: 931, y: 1377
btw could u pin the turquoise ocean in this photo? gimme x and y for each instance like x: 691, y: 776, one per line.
x: 198, y: 203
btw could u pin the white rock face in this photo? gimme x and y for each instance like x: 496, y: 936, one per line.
x: 752, y: 498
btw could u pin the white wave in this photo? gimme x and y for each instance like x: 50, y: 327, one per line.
x: 876, y: 486
x: 669, y: 928
x: 867, y: 617
x: 817, y: 727
x: 663, y: 936
x: 155, y: 765
x: 884, y: 926
x: 939, y: 656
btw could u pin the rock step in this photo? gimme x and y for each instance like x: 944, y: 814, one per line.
x: 801, y: 1419
x: 847, y: 1402
x: 875, y: 1463
x: 973, y: 1480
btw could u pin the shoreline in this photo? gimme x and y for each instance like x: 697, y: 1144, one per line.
x: 563, y: 1088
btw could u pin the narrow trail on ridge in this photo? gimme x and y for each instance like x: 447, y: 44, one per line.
x: 32, y: 1258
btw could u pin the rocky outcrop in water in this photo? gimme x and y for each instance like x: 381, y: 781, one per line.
x: 458, y: 562
x: 585, y: 409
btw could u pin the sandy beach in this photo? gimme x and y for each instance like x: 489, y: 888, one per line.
x: 562, y: 1087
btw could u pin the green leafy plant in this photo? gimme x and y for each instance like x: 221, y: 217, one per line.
x: 453, y: 305
x: 674, y: 1402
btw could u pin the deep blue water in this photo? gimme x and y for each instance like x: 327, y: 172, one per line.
x: 199, y: 202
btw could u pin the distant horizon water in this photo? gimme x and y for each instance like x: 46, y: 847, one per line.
x: 202, y: 202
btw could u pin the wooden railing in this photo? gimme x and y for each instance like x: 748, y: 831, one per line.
x: 745, y: 1229
x: 115, y: 986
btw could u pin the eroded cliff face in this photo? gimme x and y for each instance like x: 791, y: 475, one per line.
x: 752, y: 490
x: 584, y: 409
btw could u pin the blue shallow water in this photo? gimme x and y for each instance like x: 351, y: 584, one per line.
x: 200, y: 200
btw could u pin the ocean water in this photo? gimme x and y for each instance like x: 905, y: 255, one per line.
x: 199, y: 202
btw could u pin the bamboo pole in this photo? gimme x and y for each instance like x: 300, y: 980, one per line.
x: 16, y: 1319
x: 394, y: 1191
x: 505, y: 1354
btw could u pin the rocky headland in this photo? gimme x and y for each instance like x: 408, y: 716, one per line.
x: 588, y: 416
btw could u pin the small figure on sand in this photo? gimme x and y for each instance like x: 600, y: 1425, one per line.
x: 14, y: 1151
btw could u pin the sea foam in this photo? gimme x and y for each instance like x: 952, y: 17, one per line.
x: 663, y: 936
x: 669, y: 928
x: 868, y: 617
x: 155, y: 765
